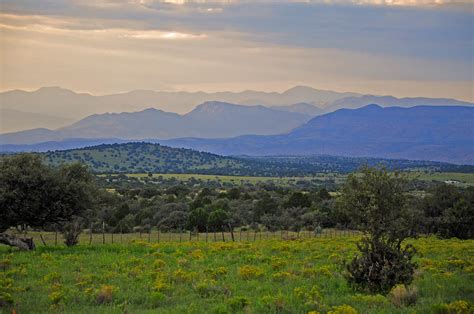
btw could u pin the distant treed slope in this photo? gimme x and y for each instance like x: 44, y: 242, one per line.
x: 208, y: 120
x: 146, y: 157
x: 421, y: 133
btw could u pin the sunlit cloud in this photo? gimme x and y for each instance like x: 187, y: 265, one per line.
x: 41, y: 24
x: 401, y: 47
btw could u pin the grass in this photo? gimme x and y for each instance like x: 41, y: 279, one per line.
x: 283, y: 181
x: 270, y: 276
x: 464, y: 179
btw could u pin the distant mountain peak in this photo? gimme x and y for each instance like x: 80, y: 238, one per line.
x: 371, y: 107
x: 55, y: 89
x: 215, y: 107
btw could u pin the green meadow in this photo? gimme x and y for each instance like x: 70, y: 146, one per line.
x: 263, y: 276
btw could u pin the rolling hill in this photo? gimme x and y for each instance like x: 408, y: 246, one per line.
x: 140, y: 157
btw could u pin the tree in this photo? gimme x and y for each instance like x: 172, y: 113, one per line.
x: 35, y: 195
x: 217, y: 220
x: 197, y: 219
x: 449, y: 211
x: 298, y: 199
x: 376, y: 203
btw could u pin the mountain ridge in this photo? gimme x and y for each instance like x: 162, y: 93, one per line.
x: 206, y: 120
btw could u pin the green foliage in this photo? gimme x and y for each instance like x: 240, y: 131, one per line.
x: 376, y: 204
x: 449, y: 211
x: 379, y: 267
x: 198, y: 219
x: 150, y: 158
x: 36, y: 195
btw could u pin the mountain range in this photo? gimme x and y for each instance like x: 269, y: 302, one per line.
x: 441, y: 133
x: 438, y: 133
x: 208, y: 120
x: 66, y: 106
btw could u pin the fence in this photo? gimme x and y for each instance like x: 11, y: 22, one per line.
x: 56, y: 238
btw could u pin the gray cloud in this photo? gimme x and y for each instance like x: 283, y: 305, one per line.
x: 232, y: 41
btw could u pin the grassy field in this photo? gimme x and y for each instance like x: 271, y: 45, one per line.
x: 242, y: 179
x: 464, y: 179
x: 270, y: 276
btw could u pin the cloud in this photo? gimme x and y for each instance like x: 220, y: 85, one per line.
x: 186, y: 43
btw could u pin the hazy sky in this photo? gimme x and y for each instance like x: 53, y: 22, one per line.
x: 404, y: 48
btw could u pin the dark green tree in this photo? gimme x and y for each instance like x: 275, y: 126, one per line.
x: 35, y: 195
x: 376, y: 204
x: 217, y: 220
x: 197, y: 219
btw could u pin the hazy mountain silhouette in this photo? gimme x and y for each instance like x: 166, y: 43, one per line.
x: 14, y: 120
x: 210, y: 119
x: 438, y: 133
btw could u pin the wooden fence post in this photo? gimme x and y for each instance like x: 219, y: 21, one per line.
x: 44, y: 242
x: 90, y: 233
x: 103, y: 232
x: 231, y: 232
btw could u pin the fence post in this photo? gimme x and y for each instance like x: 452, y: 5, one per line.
x: 42, y: 240
x: 231, y: 232
x: 158, y: 235
x: 90, y: 233
x: 56, y: 238
x: 103, y: 232
x: 206, y: 233
x: 112, y: 234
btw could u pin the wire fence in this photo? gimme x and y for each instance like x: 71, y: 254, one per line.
x: 156, y: 236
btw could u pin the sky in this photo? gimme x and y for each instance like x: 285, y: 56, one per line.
x: 397, y: 47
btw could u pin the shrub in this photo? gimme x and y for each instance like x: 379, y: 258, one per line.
x: 6, y: 299
x: 71, y: 232
x: 403, y: 296
x: 456, y: 307
x: 207, y: 288
x: 343, y: 309
x: 105, y: 294
x: 157, y: 298
x: 380, y: 267
x: 238, y: 303
x: 248, y: 272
